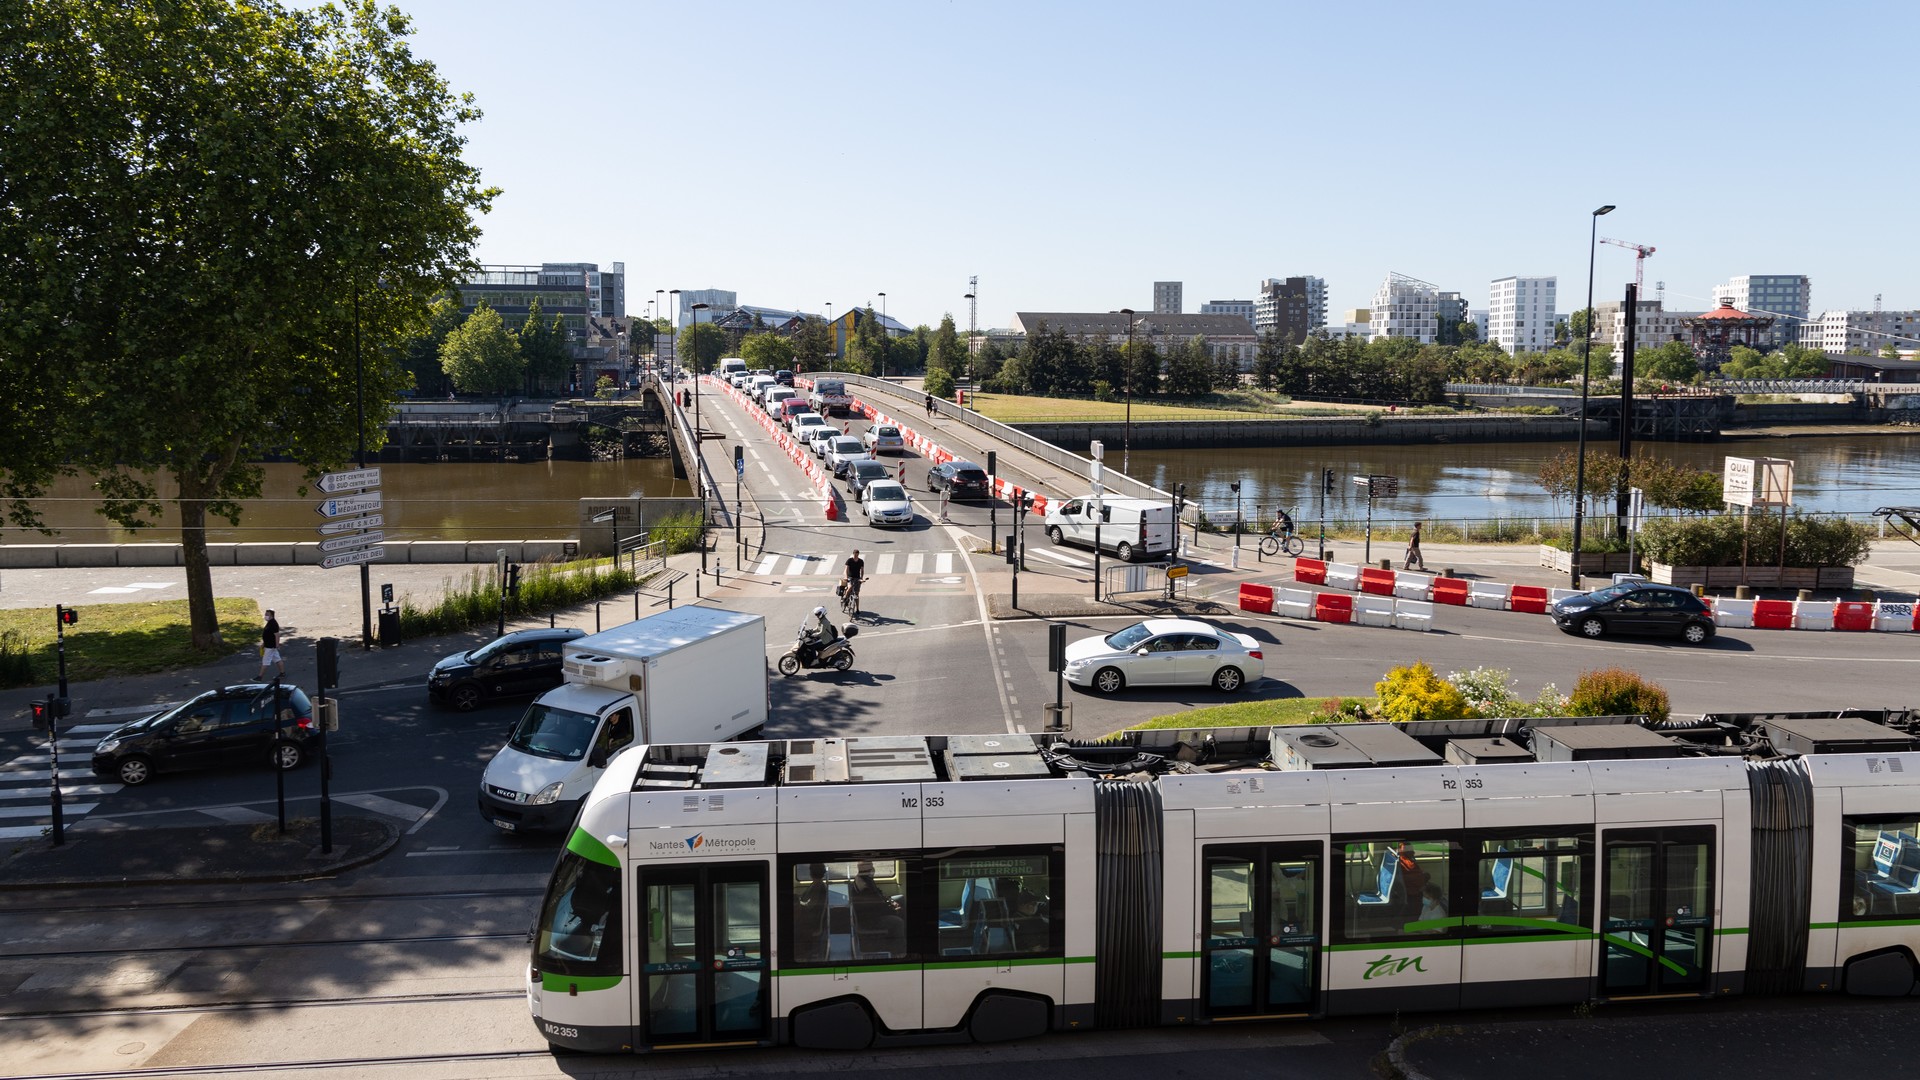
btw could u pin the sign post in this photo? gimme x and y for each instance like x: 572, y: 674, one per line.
x: 1377, y: 486
x: 358, y: 548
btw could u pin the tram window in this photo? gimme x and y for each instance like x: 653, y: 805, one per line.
x: 1880, y: 867
x: 998, y: 903
x: 1397, y: 888
x: 843, y: 909
x: 1531, y: 878
x: 579, y: 927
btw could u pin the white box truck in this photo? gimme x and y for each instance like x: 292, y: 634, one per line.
x: 689, y: 675
x: 1133, y: 529
x: 828, y: 395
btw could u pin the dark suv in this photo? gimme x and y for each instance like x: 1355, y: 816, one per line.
x: 1635, y: 607
x: 520, y: 664
x: 229, y: 726
x: 965, y: 479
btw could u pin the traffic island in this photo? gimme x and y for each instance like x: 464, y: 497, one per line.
x: 211, y: 854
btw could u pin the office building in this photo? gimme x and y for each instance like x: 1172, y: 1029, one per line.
x: 1167, y: 298
x: 720, y: 302
x: 1787, y: 299
x: 1520, y: 313
x: 576, y: 292
x: 1242, y: 308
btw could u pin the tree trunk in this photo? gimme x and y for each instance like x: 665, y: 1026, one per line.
x: 203, y: 621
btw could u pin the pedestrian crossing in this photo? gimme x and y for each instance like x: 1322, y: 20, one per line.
x: 911, y: 564
x: 26, y: 783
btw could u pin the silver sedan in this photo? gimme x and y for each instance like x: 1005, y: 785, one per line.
x: 1166, y: 652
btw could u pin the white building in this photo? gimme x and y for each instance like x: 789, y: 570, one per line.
x: 1243, y: 308
x: 1652, y: 326
x: 1786, y: 298
x: 1167, y: 297
x: 1839, y: 331
x: 1520, y: 313
x: 720, y: 302
x: 1405, y: 307
x: 1478, y: 317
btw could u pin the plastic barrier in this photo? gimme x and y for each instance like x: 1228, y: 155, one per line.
x: 1733, y: 614
x: 1450, y: 590
x: 1295, y: 602
x: 1528, y: 598
x: 1773, y: 614
x: 1554, y: 596
x: 1812, y: 614
x: 1256, y: 598
x: 1333, y: 607
x: 1342, y: 575
x: 1895, y: 616
x: 1376, y: 581
x: 1310, y: 571
x: 1373, y: 610
x: 1488, y: 594
x: 1413, y: 614
x: 1853, y: 615
x: 1412, y: 586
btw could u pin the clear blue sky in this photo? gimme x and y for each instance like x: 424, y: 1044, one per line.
x: 1071, y: 154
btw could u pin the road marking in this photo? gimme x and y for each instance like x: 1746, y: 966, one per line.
x: 799, y: 565
x: 884, y: 564
x: 123, y: 710
x: 76, y: 809
x: 916, y: 562
x: 43, y: 774
x: 238, y: 815
x: 389, y: 807
x: 766, y: 567
x: 67, y: 791
x: 1071, y: 560
x: 943, y: 563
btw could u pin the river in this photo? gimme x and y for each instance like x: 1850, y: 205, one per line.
x: 1476, y: 481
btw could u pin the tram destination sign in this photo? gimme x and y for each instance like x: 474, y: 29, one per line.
x: 343, y: 543
x: 348, y: 558
x: 349, y: 480
x: 348, y: 504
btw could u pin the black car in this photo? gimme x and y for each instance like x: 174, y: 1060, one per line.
x: 784, y: 377
x: 230, y: 726
x: 863, y: 472
x: 965, y: 479
x: 1635, y: 607
x: 521, y: 664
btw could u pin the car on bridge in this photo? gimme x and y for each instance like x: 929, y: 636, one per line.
x: 844, y: 451
x: 963, y: 479
x: 864, y: 472
x: 1166, y: 652
x: 804, y: 432
x: 885, y: 439
x: 821, y: 437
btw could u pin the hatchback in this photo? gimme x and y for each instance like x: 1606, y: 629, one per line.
x: 1635, y: 607
x: 844, y: 451
x: 965, y: 479
x: 887, y: 503
x: 1166, y: 652
x: 864, y: 472
x: 521, y: 663
x: 230, y: 726
x: 885, y: 439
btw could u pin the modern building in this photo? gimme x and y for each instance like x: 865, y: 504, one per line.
x: 1243, y: 308
x: 1406, y: 307
x: 1479, y: 318
x: 1228, y: 337
x: 1862, y: 331
x: 1167, y: 299
x: 1285, y: 308
x: 1653, y: 325
x: 719, y: 303
x: 576, y: 292
x: 1520, y: 313
x: 1787, y: 299
x: 1450, y: 310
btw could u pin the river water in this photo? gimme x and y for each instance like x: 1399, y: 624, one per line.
x: 1474, y: 481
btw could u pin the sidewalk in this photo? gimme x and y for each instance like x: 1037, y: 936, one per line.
x: 112, y: 857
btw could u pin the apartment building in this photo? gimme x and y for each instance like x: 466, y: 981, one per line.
x: 1520, y: 313
x: 1406, y: 307
x: 1869, y: 331
x: 1787, y: 299
x: 1242, y: 308
x: 1167, y: 298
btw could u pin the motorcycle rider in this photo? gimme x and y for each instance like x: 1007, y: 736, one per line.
x: 816, y: 633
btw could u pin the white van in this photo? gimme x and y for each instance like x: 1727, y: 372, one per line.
x: 730, y: 366
x: 1133, y: 529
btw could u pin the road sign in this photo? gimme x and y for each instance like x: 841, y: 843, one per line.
x: 348, y: 504
x: 343, y: 543
x: 371, y: 521
x: 347, y: 481
x: 1378, y: 485
x: 348, y: 558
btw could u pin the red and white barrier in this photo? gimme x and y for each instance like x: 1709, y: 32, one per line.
x: 935, y: 454
x: 800, y: 455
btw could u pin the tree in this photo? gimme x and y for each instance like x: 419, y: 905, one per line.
x: 221, y: 218
x: 1189, y: 372
x: 770, y: 351
x: 1577, y: 324
x: 421, y: 356
x: 543, y: 347
x: 811, y: 344
x: 481, y: 356
x: 1890, y: 351
x: 1672, y: 362
x: 1469, y: 332
x: 700, y: 347
x: 1800, y: 362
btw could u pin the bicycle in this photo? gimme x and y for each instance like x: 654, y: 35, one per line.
x: 1274, y: 543
x: 850, y: 597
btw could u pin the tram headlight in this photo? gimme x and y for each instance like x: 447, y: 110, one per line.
x: 107, y: 746
x: 547, y: 795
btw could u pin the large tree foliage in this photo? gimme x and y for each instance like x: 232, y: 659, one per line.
x: 765, y: 350
x: 209, y: 210
x: 701, y: 346
x: 482, y: 356
x: 543, y: 346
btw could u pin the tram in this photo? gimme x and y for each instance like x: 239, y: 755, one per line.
x: 846, y: 893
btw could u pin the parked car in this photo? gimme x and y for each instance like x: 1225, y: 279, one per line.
x: 1635, y: 607
x: 1166, y: 652
x: 516, y: 665
x: 887, y: 503
x: 230, y: 726
x: 965, y: 479
x: 864, y: 472
x: 843, y: 451
x: 885, y: 439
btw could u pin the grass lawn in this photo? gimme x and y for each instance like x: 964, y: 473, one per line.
x: 1017, y: 408
x: 116, y: 639
x: 1282, y: 712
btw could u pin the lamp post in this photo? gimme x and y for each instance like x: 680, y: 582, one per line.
x: 673, y: 329
x: 833, y: 337
x: 1586, y: 377
x: 659, y: 309
x: 883, y: 335
x: 698, y: 431
x: 699, y: 440
x: 969, y: 298
x: 1126, y: 373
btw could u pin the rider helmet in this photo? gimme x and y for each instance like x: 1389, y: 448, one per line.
x: 820, y: 611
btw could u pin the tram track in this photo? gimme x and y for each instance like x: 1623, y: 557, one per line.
x: 234, y: 946
x: 263, y: 1004
x: 230, y: 903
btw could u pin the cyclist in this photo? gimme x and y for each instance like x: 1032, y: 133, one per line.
x: 1282, y: 523
x: 850, y: 584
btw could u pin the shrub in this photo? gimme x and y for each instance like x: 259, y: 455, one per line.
x: 677, y: 532
x: 1489, y: 692
x: 544, y: 586
x: 1719, y: 540
x: 1616, y: 692
x: 1414, y: 692
x: 16, y: 659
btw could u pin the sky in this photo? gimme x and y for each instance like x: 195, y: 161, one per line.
x: 1071, y: 154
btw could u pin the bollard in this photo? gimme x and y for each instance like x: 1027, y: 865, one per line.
x: 1804, y: 595
x: 1700, y: 588
x: 1386, y: 564
x: 1447, y: 571
x: 1867, y: 596
x: 1742, y: 592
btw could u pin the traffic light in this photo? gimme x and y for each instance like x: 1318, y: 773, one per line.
x: 993, y: 462
x: 513, y: 578
x: 66, y: 614
x: 327, y: 658
x: 42, y: 714
x: 1326, y: 482
x: 62, y: 708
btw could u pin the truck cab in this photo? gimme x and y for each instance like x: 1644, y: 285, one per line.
x: 554, y: 755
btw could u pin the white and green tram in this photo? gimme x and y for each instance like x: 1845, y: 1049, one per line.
x: 844, y: 893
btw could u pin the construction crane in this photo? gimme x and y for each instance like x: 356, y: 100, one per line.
x: 1642, y: 252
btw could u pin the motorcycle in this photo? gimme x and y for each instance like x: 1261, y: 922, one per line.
x: 809, y: 652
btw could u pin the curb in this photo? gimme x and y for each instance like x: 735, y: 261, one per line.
x: 389, y: 840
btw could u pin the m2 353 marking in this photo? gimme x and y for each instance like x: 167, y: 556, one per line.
x: 1393, y: 965
x: 1472, y: 783
x: 909, y: 802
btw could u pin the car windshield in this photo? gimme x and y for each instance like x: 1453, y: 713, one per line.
x: 1612, y: 592
x: 847, y: 446
x: 888, y: 491
x: 971, y: 476
x: 1125, y: 640
x: 869, y: 468
x: 886, y: 432
x: 553, y: 733
x: 490, y: 650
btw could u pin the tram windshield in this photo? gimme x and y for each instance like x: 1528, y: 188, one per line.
x: 579, y: 927
x: 553, y: 733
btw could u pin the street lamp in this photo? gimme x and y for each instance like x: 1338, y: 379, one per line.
x: 694, y: 321
x: 883, y: 335
x: 969, y: 298
x: 1126, y: 371
x: 699, y: 440
x: 1586, y: 377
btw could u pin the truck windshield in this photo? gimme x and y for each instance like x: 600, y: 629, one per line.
x: 553, y: 733
x: 579, y: 928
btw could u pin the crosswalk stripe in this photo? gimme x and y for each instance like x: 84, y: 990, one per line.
x: 22, y: 832
x: 102, y: 729
x: 66, y: 791
x: 387, y: 807
x: 238, y: 815
x: 884, y: 564
x: 916, y: 562
x: 124, y: 710
x: 766, y: 566
x: 76, y: 809
x: 824, y: 568
x: 1056, y: 556
x: 943, y: 563
x: 44, y: 774
x: 798, y: 566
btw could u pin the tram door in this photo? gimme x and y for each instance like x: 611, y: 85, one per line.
x: 1657, y: 929
x: 1261, y: 931
x: 706, y: 958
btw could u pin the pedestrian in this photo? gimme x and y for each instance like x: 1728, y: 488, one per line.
x: 945, y: 494
x: 270, y: 647
x: 929, y: 406
x: 1413, y: 550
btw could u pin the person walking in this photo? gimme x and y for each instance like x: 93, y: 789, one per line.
x: 929, y: 406
x: 270, y: 647
x: 1413, y: 555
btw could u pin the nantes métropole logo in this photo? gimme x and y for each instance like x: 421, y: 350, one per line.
x: 694, y: 841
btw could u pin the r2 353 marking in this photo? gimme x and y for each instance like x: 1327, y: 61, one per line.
x: 1472, y: 783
